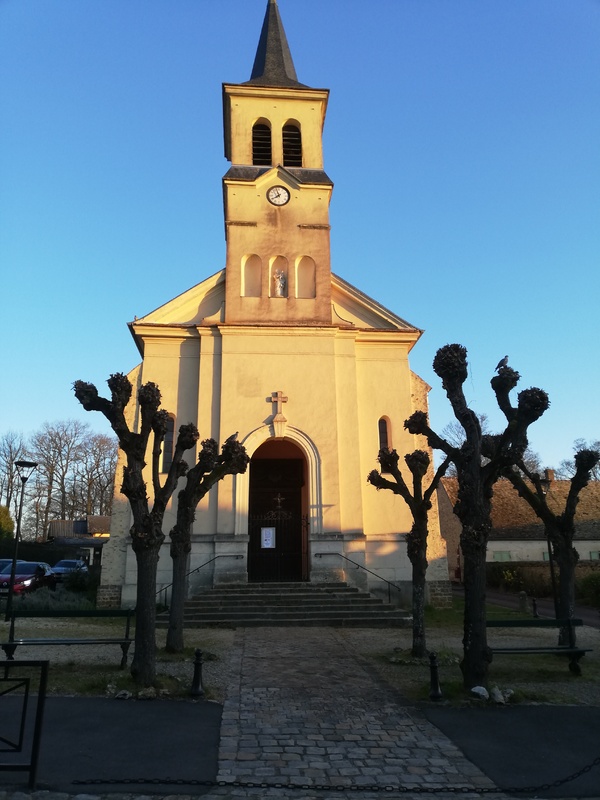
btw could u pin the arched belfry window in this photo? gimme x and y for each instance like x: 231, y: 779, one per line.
x: 292, y: 146
x: 385, y: 439
x: 167, y: 448
x: 261, y: 144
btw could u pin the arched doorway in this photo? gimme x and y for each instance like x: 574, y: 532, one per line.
x: 277, y: 520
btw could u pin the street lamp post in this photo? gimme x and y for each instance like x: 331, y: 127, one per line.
x: 24, y: 470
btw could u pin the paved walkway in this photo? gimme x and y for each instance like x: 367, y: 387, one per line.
x: 305, y: 718
x: 306, y: 711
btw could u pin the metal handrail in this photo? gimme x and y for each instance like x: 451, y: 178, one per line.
x: 191, y: 572
x: 360, y: 566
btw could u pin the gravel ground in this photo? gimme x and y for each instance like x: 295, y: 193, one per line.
x: 386, y: 651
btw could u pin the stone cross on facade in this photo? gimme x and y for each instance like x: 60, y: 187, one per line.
x: 279, y: 421
x: 278, y: 398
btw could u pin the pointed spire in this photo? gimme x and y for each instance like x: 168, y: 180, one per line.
x: 273, y: 65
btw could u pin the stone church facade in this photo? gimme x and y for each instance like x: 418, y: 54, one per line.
x: 312, y: 374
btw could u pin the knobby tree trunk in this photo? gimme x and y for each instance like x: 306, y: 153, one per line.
x: 559, y: 527
x: 417, y: 553
x: 179, y: 554
x: 419, y: 503
x: 211, y: 467
x: 566, y: 558
x: 146, y: 531
x: 479, y: 462
x: 476, y: 653
x: 143, y: 666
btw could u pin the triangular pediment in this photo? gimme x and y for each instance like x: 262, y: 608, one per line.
x: 203, y: 304
x: 353, y: 308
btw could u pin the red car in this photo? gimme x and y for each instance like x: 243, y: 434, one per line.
x: 29, y: 576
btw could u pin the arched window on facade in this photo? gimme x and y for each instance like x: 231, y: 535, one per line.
x: 261, y: 144
x: 292, y: 146
x: 168, y: 442
x: 384, y: 433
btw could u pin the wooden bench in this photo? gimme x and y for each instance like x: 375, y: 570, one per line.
x: 571, y: 650
x: 124, y: 641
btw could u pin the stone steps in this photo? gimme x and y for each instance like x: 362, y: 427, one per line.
x: 288, y: 604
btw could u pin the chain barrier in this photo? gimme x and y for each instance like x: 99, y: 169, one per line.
x: 332, y: 787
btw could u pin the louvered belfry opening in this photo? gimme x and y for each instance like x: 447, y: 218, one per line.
x: 261, y: 144
x: 292, y: 146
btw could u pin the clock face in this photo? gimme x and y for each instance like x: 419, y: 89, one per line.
x: 278, y: 195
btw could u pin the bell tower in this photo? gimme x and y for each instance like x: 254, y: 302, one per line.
x: 276, y: 194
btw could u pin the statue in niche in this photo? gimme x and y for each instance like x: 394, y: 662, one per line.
x: 279, y: 283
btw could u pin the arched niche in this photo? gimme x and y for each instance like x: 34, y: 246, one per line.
x: 251, y: 276
x: 306, y: 285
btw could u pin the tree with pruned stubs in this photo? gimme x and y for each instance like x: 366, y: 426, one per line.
x: 567, y: 467
x: 419, y: 503
x: 479, y: 461
x: 210, y: 468
x: 559, y: 527
x: 146, y: 532
x: 454, y: 434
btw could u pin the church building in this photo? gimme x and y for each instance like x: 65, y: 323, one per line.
x: 311, y: 373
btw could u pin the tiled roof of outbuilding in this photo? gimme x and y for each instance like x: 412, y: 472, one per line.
x: 513, y: 518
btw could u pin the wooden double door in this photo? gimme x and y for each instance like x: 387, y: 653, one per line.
x: 278, y: 545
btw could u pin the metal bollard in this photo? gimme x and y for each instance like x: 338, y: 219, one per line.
x: 197, y: 689
x: 534, y: 607
x: 435, y: 692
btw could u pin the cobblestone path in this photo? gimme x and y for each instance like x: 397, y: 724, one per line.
x: 306, y: 711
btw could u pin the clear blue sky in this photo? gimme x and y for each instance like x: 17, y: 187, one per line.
x: 463, y: 138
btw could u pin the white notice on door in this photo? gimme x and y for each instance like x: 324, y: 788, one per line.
x: 267, y: 538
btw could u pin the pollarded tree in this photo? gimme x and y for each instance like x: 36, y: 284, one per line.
x: 479, y: 462
x: 419, y: 503
x: 146, y: 532
x: 210, y: 468
x: 560, y: 528
x: 567, y: 468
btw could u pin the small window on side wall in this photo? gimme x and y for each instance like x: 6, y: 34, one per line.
x: 384, y: 434
x: 167, y: 448
x: 501, y: 555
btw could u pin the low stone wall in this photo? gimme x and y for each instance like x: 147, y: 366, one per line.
x: 108, y: 596
x: 440, y: 594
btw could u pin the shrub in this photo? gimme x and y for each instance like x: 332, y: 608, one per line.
x: 588, y: 589
x: 48, y: 600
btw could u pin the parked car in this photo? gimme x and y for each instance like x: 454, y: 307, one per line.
x: 7, y: 562
x: 68, y: 565
x: 29, y: 576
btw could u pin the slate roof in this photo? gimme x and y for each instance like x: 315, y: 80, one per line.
x: 513, y: 518
x: 251, y: 173
x: 273, y: 64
